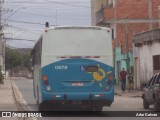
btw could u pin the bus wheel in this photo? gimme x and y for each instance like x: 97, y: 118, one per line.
x: 145, y: 104
x: 156, y: 105
x: 98, y: 108
x: 43, y: 106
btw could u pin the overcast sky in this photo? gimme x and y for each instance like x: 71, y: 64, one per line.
x: 28, y: 16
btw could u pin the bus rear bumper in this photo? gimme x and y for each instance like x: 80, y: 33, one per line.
x: 83, y: 103
x: 98, y: 98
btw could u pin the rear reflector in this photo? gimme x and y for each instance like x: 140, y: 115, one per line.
x: 46, y: 82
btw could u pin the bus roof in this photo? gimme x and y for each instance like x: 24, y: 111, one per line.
x: 72, y: 27
x: 78, y: 27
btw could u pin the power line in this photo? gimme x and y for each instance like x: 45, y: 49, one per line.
x: 20, y: 39
x: 24, y: 29
x: 8, y: 42
x: 55, y: 17
x: 49, y: 1
x: 27, y: 22
x: 38, y: 14
x: 63, y: 3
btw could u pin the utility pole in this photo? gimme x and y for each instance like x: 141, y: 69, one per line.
x: 127, y: 49
x: 1, y: 54
x: 2, y: 51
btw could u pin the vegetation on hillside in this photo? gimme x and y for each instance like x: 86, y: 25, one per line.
x: 13, y: 58
x: 1, y: 76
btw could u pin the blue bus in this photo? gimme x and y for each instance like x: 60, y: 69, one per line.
x: 73, y: 67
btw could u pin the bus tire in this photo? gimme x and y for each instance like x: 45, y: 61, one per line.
x: 156, y: 105
x: 145, y: 104
x: 42, y: 106
x: 98, y: 108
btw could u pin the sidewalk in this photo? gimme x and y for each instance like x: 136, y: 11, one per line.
x: 7, y: 101
x: 119, y: 92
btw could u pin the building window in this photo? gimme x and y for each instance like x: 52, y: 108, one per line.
x: 156, y: 62
x: 110, y: 3
x: 113, y: 28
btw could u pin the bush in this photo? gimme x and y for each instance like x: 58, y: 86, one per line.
x: 1, y: 76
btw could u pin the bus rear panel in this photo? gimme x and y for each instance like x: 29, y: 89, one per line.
x: 76, y: 68
x: 78, y: 80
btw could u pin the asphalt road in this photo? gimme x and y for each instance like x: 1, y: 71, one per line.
x: 25, y: 86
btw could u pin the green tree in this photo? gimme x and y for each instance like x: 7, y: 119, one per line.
x: 1, y: 76
x: 26, y: 61
x: 12, y: 59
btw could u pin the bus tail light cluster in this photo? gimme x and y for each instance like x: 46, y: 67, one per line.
x: 46, y: 82
x: 45, y: 79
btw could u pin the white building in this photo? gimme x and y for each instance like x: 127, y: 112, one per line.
x: 146, y: 56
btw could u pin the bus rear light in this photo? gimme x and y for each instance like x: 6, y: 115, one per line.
x: 46, y: 82
x: 44, y: 77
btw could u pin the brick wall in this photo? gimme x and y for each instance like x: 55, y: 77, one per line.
x: 109, y: 13
x: 155, y: 5
x: 133, y: 9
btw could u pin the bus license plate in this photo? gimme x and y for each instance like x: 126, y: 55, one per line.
x: 77, y: 84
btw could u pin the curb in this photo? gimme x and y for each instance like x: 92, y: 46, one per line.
x: 117, y: 94
x: 20, y: 102
x: 130, y: 96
